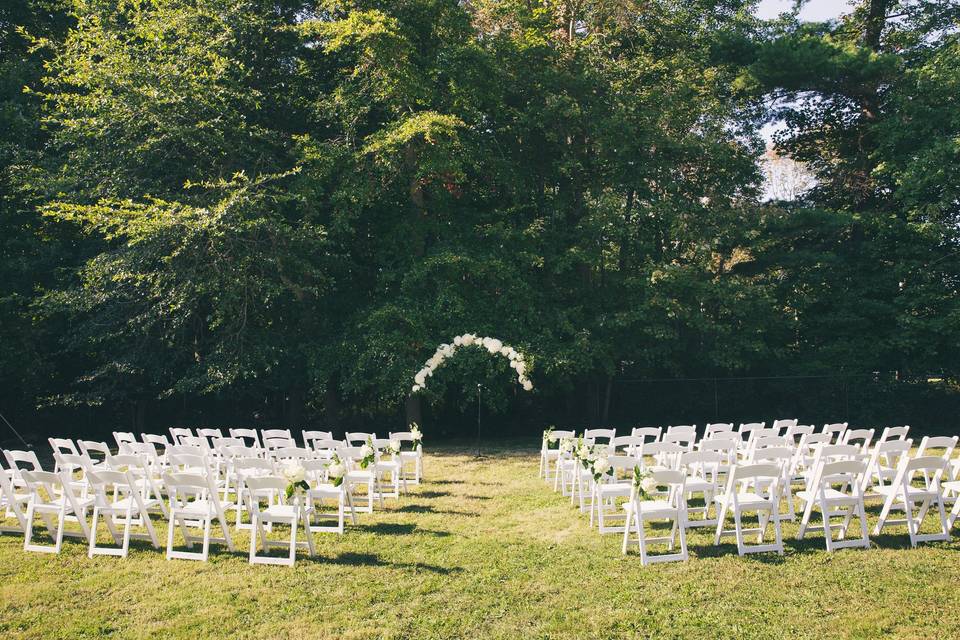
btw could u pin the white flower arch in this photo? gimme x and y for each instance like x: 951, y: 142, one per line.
x: 518, y: 361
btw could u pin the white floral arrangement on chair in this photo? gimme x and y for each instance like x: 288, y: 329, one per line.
x: 601, y: 467
x: 393, y: 448
x: 566, y: 445
x: 416, y: 434
x: 644, y: 483
x: 518, y: 361
x: 549, y: 439
x: 295, y: 475
x: 336, y: 470
x: 368, y: 454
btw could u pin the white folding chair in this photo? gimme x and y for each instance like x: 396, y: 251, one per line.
x: 894, y: 433
x: 746, y: 430
x: 682, y: 437
x: 796, y: 432
x: 414, y: 456
x: 118, y: 493
x: 267, y: 504
x: 51, y: 495
x: 148, y: 476
x: 649, y: 434
x: 717, y: 427
x: 612, y: 486
x: 671, y: 508
x: 782, y: 456
x: 242, y: 469
x: 194, y: 500
x: 322, y: 492
x: 665, y: 455
x: 358, y: 438
x: 310, y: 436
x: 250, y: 437
x: 20, y: 461
x: 860, y: 437
x: 591, y: 436
x: 62, y: 445
x: 176, y: 433
x: 97, y: 452
x: 356, y: 476
x: 272, y: 444
x: 276, y: 433
x: 751, y: 488
x: 12, y: 504
x: 548, y: 452
x: 883, y: 464
x: 687, y: 430
x: 836, y: 490
x: 835, y: 431
x: 784, y: 425
x: 122, y: 438
x: 210, y: 435
x: 161, y: 444
x: 903, y: 494
x: 703, y: 470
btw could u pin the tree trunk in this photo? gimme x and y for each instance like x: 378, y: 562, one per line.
x: 414, y: 410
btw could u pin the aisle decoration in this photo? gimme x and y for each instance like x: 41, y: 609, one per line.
x: 336, y: 470
x: 549, y: 439
x: 367, y: 454
x: 644, y: 483
x: 295, y: 475
x: 518, y: 362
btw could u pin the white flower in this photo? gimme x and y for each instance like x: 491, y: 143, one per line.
x: 467, y: 339
x: 294, y: 473
x: 512, y: 354
x: 415, y: 388
x: 366, y: 451
x: 527, y: 385
x: 420, y: 378
x: 458, y: 340
x: 336, y: 470
x: 601, y: 466
x: 505, y: 351
x: 648, y: 484
x: 566, y: 445
x: 493, y: 345
x: 521, y: 367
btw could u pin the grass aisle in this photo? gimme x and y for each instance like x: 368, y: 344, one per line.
x: 485, y: 550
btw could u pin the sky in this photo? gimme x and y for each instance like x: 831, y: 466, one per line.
x: 814, y: 10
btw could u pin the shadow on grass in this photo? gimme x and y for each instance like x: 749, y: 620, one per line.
x: 396, y: 529
x: 433, y: 494
x: 422, y: 508
x: 373, y: 560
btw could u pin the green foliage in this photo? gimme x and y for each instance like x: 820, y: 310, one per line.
x: 302, y: 199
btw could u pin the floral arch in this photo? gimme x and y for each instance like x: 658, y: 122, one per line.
x: 518, y: 361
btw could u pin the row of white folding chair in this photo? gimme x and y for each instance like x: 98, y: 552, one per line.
x: 61, y: 495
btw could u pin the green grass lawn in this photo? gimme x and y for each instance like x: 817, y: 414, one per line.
x: 484, y: 549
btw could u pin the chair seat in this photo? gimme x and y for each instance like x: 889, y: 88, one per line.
x: 325, y: 489
x: 746, y: 499
x: 694, y: 485
x: 914, y: 493
x: 282, y: 512
x: 654, y: 508
x: 198, y: 509
x: 831, y: 495
x: 614, y: 489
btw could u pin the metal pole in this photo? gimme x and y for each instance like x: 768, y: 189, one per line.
x: 478, y: 419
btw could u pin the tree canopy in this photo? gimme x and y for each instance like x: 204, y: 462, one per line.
x: 281, y: 207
